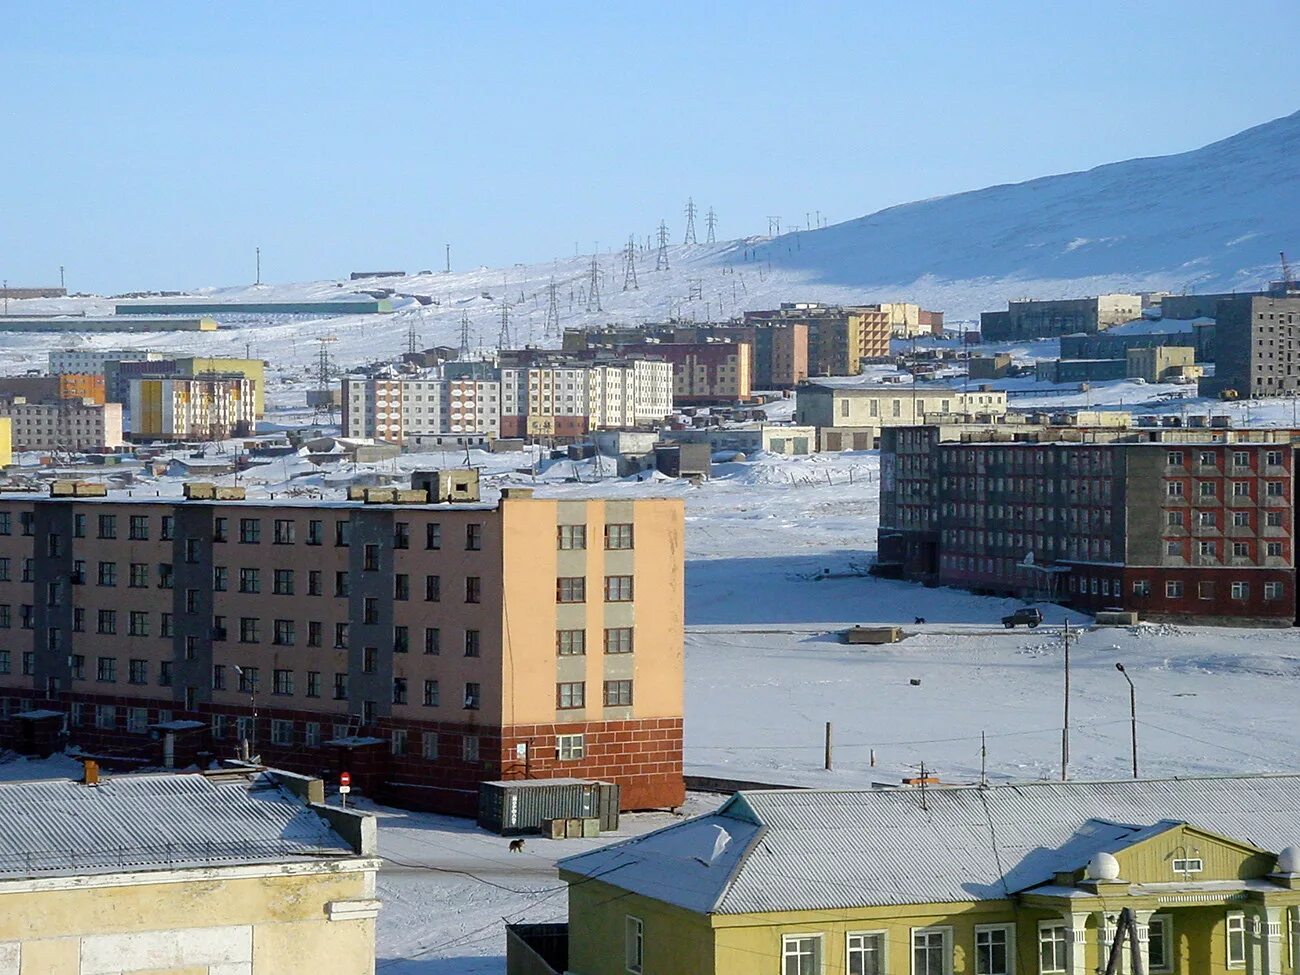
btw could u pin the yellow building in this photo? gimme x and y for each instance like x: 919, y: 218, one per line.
x: 6, y: 441
x: 237, y: 872
x: 252, y: 369
x: 1030, y: 879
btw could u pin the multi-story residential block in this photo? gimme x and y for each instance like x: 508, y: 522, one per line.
x: 1030, y: 319
x: 57, y: 386
x: 704, y: 372
x: 850, y: 417
x: 1189, y: 875
x: 95, y: 360
x: 564, y: 397
x: 1167, y: 523
x: 406, y: 411
x: 212, y: 406
x: 253, y: 370
x: 839, y: 338
x: 237, y: 872
x: 422, y: 647
x: 66, y: 424
x: 1257, y: 348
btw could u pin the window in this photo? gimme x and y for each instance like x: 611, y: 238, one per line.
x: 472, y: 698
x: 401, y: 639
x: 107, y: 574
x: 165, y: 625
x: 469, y: 748
x: 401, y: 586
x: 570, y: 643
x: 1205, y: 590
x: 1053, y: 952
x: 1174, y: 489
x: 633, y: 944
x: 1188, y: 865
x: 1159, y: 958
x: 311, y: 734
x: 248, y: 678
x: 401, y: 534
x: 432, y: 588
x: 618, y: 639
x: 107, y: 526
x: 432, y: 694
x: 313, y: 582
x: 167, y: 528
x: 432, y: 639
x: 1272, y: 590
x: 369, y: 660
x: 218, y: 677
x: 166, y: 577
x: 473, y: 589
x: 106, y: 669
x: 250, y: 580
x: 472, y: 643
x: 1175, y: 458
x: 618, y: 589
x: 192, y: 550
x: 107, y: 621
x: 370, y: 610
x: 220, y: 529
x: 315, y: 532
x: 248, y: 629
x: 284, y: 531
x: 399, y: 690
x: 342, y: 534
x: 570, y: 695
x: 342, y: 585
x: 105, y: 716
x: 340, y: 687
x: 398, y: 741
x: 139, y: 575
x: 1273, y: 549
x: 250, y: 530
x: 993, y: 950
x: 1236, y: 940
x: 283, y: 634
x: 138, y: 528
x: 570, y: 748
x: 340, y: 636
x: 282, y: 582
x: 78, y: 666
x: 473, y: 538
x: 281, y: 732
x: 370, y: 557
x: 29, y: 663
x: 137, y: 623
x: 1141, y: 587
x: 569, y: 537
x: 1206, y: 489
x: 1206, y: 519
x: 801, y: 954
x: 165, y: 678
x: 618, y: 693
x: 571, y: 589
x: 1241, y: 591
x: 433, y: 536
x: 618, y: 537
x: 429, y: 745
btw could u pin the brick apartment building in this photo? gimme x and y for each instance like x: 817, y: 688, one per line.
x: 423, y: 647
x: 839, y: 338
x: 704, y: 372
x: 1171, y: 524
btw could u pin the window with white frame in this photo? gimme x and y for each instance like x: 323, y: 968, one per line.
x: 801, y: 954
x: 994, y: 951
x: 931, y: 951
x: 865, y: 953
x: 633, y: 944
x: 1159, y: 943
x: 570, y: 748
x: 1236, y: 940
x: 1188, y: 865
x: 1053, y: 948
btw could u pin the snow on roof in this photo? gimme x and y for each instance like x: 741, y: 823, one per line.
x: 155, y: 822
x: 793, y: 850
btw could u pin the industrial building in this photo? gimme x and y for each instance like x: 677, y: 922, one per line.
x: 214, y: 406
x: 850, y: 417
x: 76, y: 325
x: 238, y: 871
x: 1029, y: 319
x: 424, y: 647
x: 1200, y: 338
x: 1172, y: 523
x: 1258, y: 348
x: 1187, y: 875
x: 341, y: 306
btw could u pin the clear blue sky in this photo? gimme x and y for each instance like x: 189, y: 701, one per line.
x: 153, y: 145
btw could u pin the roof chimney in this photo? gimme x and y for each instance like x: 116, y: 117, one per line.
x: 90, y: 775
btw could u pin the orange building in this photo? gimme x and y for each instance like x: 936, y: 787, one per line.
x: 68, y: 385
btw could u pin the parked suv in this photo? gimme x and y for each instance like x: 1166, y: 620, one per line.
x: 1029, y: 616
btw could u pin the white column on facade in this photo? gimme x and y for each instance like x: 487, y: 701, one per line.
x: 1143, y: 923
x: 1076, y: 935
x: 1270, y: 940
x: 1107, y: 924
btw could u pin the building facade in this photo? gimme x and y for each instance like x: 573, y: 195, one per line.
x: 704, y: 372
x: 1029, y: 319
x: 1201, y: 877
x: 1257, y: 342
x: 213, y: 406
x: 564, y: 398
x: 66, y: 385
x: 411, y: 411
x: 94, y: 360
x: 436, y: 646
x: 237, y: 872
x: 1172, y: 527
x: 63, y: 424
x: 851, y: 417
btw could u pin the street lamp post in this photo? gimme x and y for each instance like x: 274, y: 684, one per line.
x: 1133, y: 714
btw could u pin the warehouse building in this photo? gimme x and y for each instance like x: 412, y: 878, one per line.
x: 389, y: 636
x: 1029, y: 319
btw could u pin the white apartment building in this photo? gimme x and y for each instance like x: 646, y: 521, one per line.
x: 399, y: 410
x: 570, y: 398
x: 210, y: 406
x: 93, y: 360
x: 72, y: 424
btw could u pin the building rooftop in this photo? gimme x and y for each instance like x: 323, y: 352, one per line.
x: 169, y: 821
x: 794, y: 850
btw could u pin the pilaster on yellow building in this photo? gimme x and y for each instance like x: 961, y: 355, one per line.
x: 239, y: 872
x: 6, y: 441
x: 1197, y: 876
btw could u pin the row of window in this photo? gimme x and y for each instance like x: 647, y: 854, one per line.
x: 1240, y: 489
x: 572, y: 695
x: 573, y: 589
x: 1209, y: 458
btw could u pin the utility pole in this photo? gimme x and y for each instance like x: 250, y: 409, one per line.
x: 689, y: 237
x: 984, y: 760
x: 774, y: 226
x: 258, y: 252
x: 710, y: 226
x: 61, y: 284
x: 447, y: 269
x: 629, y: 266
x: 1133, y: 714
x: 1065, y: 730
x: 5, y: 285
x: 828, y: 746
x: 661, y: 258
x: 593, y: 286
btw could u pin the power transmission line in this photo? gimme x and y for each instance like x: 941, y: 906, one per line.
x: 661, y: 258
x: 552, y: 327
x: 629, y: 266
x: 463, y: 351
x: 593, y: 287
x: 710, y: 225
x: 504, y: 338
x: 689, y: 237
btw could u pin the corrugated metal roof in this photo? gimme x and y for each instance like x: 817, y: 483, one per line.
x: 155, y: 822
x: 810, y: 849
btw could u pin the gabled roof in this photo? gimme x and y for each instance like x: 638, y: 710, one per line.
x: 794, y: 850
x: 156, y: 822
